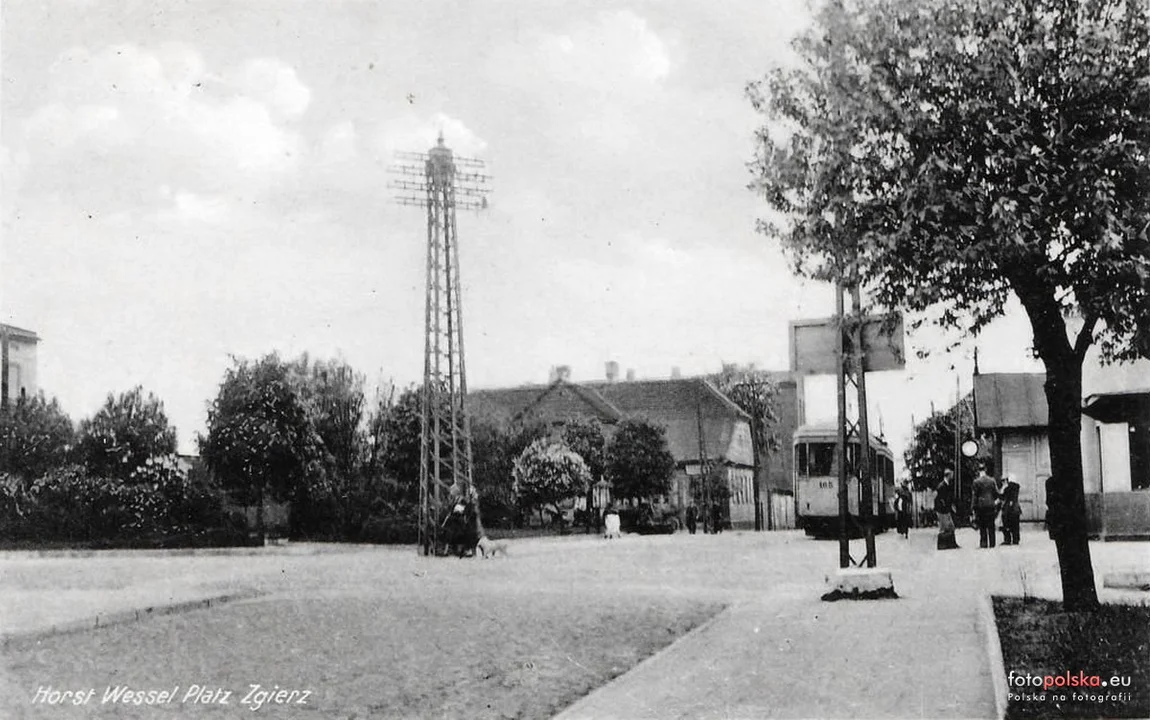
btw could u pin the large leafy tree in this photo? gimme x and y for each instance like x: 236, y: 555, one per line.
x: 129, y: 429
x: 637, y: 461
x: 35, y: 437
x: 755, y: 393
x: 261, y: 442
x: 952, y: 153
x: 547, y: 473
x: 334, y: 395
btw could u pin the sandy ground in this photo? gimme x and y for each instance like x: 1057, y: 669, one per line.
x: 381, y: 632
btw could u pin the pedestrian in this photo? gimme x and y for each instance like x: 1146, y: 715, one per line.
x: 1011, y: 511
x: 902, y: 505
x: 692, y: 518
x: 985, y: 491
x: 716, y: 518
x: 944, y: 509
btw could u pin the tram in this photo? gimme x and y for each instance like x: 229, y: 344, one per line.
x: 816, y: 482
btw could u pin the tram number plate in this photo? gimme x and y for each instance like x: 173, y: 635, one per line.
x: 826, y: 484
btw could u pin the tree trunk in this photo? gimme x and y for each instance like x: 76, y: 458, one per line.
x: 1066, y: 498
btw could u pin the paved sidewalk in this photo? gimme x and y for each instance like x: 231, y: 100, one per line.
x: 790, y: 655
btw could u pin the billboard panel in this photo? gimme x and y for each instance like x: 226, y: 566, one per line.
x: 813, y: 349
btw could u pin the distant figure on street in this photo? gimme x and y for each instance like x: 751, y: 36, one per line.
x: 902, y: 505
x: 985, y: 491
x: 1011, y: 511
x: 716, y: 518
x: 611, y: 528
x: 692, y: 518
x: 944, y: 509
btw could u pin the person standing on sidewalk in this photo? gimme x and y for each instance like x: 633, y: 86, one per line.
x: 1011, y: 511
x: 902, y: 501
x: 944, y: 509
x: 985, y: 507
x: 692, y: 518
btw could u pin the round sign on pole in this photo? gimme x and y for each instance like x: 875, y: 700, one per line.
x: 970, y: 448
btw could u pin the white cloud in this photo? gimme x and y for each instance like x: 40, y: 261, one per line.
x: 275, y: 84
x: 617, y: 46
x: 124, y: 120
x: 418, y: 133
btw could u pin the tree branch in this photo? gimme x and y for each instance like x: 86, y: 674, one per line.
x: 1085, y: 336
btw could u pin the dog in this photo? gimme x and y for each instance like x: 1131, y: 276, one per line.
x: 488, y: 548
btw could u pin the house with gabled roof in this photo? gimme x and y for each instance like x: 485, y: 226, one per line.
x: 704, y: 428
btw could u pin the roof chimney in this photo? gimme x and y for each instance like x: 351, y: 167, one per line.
x: 612, y: 371
x: 630, y: 374
x: 560, y: 372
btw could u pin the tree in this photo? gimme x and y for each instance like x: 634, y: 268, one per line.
x: 638, y: 463
x: 547, y: 473
x: 333, y: 394
x: 35, y: 437
x: 127, y: 431
x: 260, y: 441
x: 395, y: 429
x: 932, y: 449
x: 755, y: 393
x: 954, y: 152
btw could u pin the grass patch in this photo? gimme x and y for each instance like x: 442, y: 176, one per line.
x: 1040, y: 640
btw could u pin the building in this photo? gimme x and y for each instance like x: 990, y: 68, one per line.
x: 703, y: 426
x: 18, y: 361
x: 1116, y: 448
x: 1011, y: 409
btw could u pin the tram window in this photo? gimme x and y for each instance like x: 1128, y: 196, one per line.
x: 801, y: 458
x: 822, y: 459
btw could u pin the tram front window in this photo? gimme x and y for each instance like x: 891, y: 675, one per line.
x: 821, y: 459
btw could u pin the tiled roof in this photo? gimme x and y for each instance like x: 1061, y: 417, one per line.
x: 1010, y: 400
x: 676, y: 404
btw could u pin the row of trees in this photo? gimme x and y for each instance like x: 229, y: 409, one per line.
x: 113, y: 478
x: 303, y: 432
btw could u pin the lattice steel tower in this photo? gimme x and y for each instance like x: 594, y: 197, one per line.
x: 434, y: 180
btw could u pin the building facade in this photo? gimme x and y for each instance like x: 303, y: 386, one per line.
x: 18, y: 361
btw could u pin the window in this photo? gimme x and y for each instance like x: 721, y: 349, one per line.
x: 821, y: 459
x: 801, y: 458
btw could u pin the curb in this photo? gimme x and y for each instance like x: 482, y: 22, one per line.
x: 123, y: 617
x: 994, y: 654
x: 574, y: 710
x: 241, y: 551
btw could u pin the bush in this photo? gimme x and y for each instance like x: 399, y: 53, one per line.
x: 66, y: 504
x: 391, y: 529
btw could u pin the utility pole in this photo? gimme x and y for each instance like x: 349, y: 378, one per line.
x: 434, y: 181
x: 851, y: 360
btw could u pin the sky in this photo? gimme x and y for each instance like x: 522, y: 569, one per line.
x: 187, y: 182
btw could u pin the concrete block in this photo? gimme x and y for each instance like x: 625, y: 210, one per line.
x: 860, y: 584
x: 1129, y: 580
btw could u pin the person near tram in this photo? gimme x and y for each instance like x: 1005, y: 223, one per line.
x: 944, y: 510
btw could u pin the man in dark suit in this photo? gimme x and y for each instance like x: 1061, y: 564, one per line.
x: 985, y: 491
